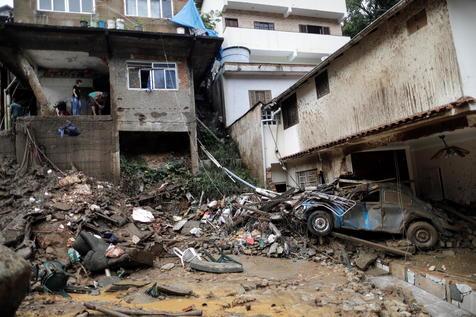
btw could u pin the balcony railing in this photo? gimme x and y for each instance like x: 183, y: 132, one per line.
x: 330, y: 9
x: 284, y: 46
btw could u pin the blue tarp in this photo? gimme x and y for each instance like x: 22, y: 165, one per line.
x: 190, y: 17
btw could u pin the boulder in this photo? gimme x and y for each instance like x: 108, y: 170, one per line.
x: 15, y: 275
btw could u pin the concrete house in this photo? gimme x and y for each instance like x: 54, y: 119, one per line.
x: 379, y: 108
x: 148, y: 65
x: 268, y: 46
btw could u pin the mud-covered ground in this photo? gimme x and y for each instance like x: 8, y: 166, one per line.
x: 268, y: 287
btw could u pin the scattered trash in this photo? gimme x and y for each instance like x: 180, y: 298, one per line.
x: 141, y: 215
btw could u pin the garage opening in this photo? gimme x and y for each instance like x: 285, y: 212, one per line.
x: 381, y: 165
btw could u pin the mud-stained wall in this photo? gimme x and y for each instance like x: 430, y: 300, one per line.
x: 157, y: 110
x: 95, y: 151
x: 247, y: 133
x: 387, y: 76
x: 26, y: 11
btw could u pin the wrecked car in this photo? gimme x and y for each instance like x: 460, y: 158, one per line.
x: 384, y: 207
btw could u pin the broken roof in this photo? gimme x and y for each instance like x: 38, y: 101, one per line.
x: 354, y: 41
x: 200, y: 50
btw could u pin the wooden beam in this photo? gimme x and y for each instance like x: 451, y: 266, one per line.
x: 371, y: 244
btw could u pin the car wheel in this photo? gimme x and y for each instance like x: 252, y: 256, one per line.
x: 422, y: 234
x: 320, y: 223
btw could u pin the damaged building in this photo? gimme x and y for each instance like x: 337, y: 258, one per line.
x: 387, y: 106
x: 148, y: 67
x: 268, y: 46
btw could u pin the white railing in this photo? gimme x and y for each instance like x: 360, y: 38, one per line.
x: 279, y: 43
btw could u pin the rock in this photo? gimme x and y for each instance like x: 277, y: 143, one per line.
x: 167, y: 267
x: 365, y: 259
x: 188, y: 226
x: 14, y: 281
x: 311, y: 252
x: 432, y: 268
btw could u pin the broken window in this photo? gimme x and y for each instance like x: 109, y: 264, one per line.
x: 314, y: 29
x: 307, y: 178
x: 264, y: 25
x: 289, y: 110
x: 152, y: 76
x: 322, y: 84
x: 233, y: 23
x: 150, y: 8
x: 417, y: 22
x: 74, y: 6
x: 259, y: 95
x: 373, y: 197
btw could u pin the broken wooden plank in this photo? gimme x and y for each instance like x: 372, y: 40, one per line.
x: 135, y: 312
x: 105, y: 310
x: 371, y: 244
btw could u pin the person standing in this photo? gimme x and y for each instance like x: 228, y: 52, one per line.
x: 76, y: 98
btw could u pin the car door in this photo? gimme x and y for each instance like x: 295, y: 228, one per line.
x: 394, y: 201
x: 366, y: 215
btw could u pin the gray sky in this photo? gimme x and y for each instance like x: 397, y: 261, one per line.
x: 3, y: 2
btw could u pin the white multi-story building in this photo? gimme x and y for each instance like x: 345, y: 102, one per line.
x: 268, y: 45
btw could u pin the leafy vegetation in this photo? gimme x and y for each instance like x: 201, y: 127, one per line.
x: 211, y: 19
x: 137, y: 176
x: 363, y: 12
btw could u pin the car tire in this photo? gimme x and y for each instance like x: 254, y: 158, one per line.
x: 320, y: 223
x: 423, y: 235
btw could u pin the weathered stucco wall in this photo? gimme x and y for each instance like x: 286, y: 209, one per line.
x: 389, y: 75
x: 7, y: 144
x: 95, y: 151
x: 246, y: 19
x: 247, y: 133
x: 26, y: 12
x: 158, y: 110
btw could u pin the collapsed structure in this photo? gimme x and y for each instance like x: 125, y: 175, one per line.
x: 377, y: 109
x: 149, y: 67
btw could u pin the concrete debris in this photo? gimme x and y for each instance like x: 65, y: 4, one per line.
x: 365, y: 259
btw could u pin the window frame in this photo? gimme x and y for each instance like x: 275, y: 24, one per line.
x: 149, y: 10
x: 286, y: 123
x: 325, y: 92
x: 264, y: 23
x: 234, y: 20
x: 322, y: 27
x: 307, y: 175
x: 151, y: 70
x: 66, y: 7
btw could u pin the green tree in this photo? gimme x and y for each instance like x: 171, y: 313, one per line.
x: 363, y: 12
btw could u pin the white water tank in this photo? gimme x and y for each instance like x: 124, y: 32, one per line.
x: 236, y: 54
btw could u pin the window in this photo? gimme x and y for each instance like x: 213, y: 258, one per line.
x: 152, y: 76
x: 417, y: 22
x: 307, y: 178
x: 267, y: 117
x: 233, y: 23
x: 314, y: 29
x: 264, y: 25
x: 72, y: 6
x: 373, y: 197
x: 259, y: 95
x: 149, y: 8
x: 322, y: 84
x: 290, y: 113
